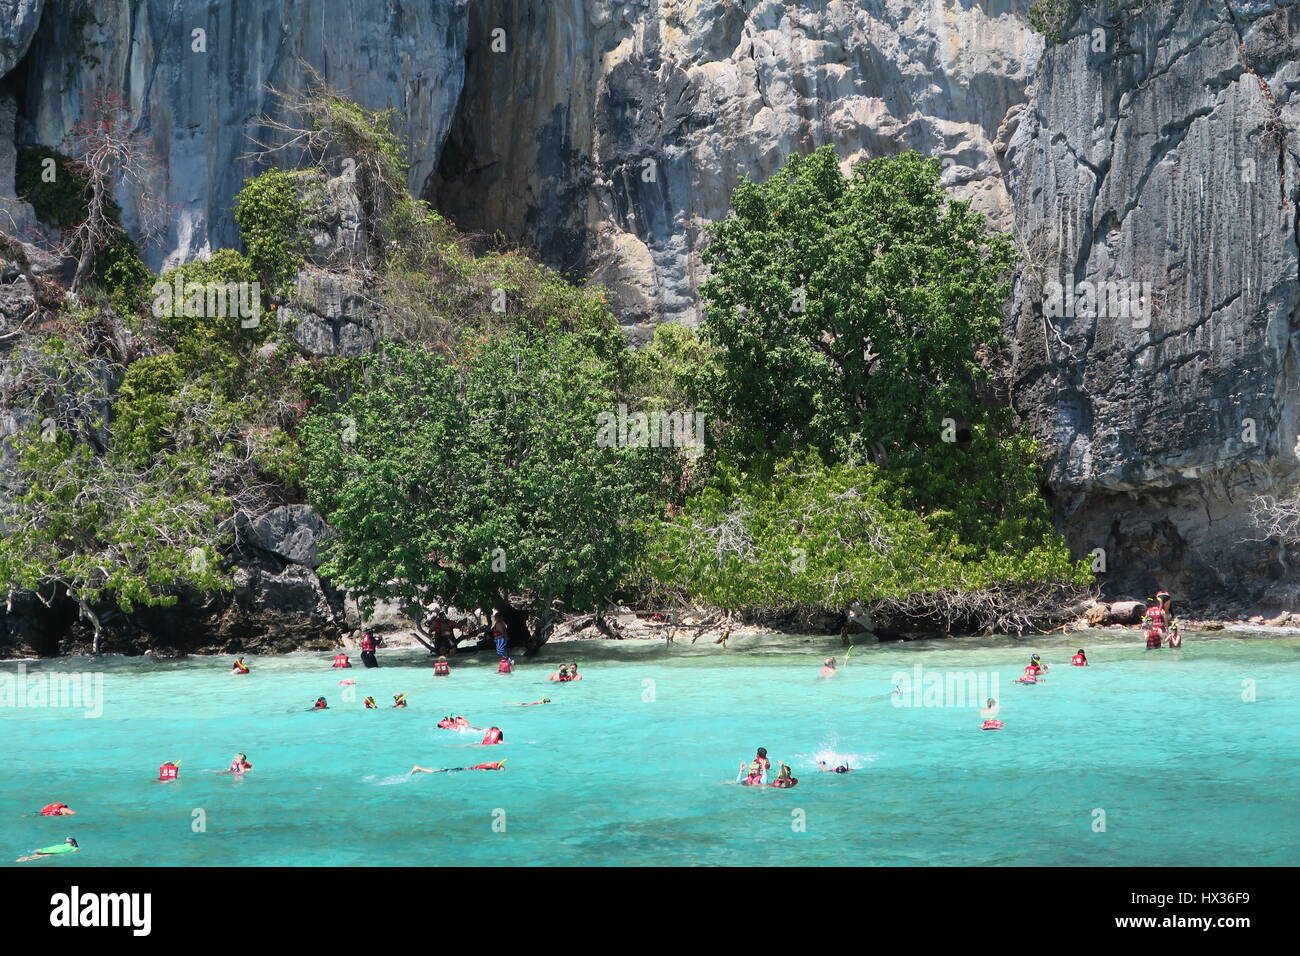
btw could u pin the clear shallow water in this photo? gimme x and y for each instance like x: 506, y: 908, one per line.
x: 636, y: 763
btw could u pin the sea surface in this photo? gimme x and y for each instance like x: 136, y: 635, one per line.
x: 1149, y: 758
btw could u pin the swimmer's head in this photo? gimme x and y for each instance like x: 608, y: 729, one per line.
x: 71, y: 842
x: 762, y: 751
x: 1081, y: 650
x: 991, y: 703
x: 1035, y: 657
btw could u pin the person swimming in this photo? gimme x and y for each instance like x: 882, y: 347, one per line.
x: 505, y: 665
x: 1080, y: 659
x: 560, y: 675
x: 751, y: 773
x: 320, y: 704
x: 990, y: 715
x: 573, y: 671
x: 493, y: 736
x: 399, y: 700
x: 544, y: 700
x: 239, y: 765
x: 828, y: 667
x: 1038, y: 662
x: 67, y: 846
x: 441, y: 668
x: 841, y: 768
x: 784, y: 779
x: 58, y: 810
x: 341, y: 660
x: 494, y: 765
x: 171, y: 770
x: 370, y: 704
x: 239, y: 667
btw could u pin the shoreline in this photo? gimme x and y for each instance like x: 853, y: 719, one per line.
x: 704, y: 636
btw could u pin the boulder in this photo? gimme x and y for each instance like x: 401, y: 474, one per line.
x: 292, y: 533
x: 1126, y: 612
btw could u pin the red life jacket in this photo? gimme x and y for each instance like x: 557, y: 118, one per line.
x: 1031, y: 670
x: 493, y: 736
x: 367, y: 643
x: 503, y: 666
x: 1078, y: 660
x: 341, y: 660
x: 168, y: 771
x: 52, y: 810
x: 441, y: 669
x: 1156, y: 615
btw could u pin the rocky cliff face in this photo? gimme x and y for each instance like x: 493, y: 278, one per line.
x: 1157, y: 160
x: 1146, y: 150
x: 197, y: 74
x: 608, y: 133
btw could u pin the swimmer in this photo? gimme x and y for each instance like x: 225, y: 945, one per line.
x: 399, y: 700
x: 1038, y: 662
x: 239, y: 667
x: 751, y: 774
x: 505, y: 665
x: 544, y: 700
x: 370, y: 704
x: 347, y: 682
x: 493, y: 736
x: 828, y: 667
x: 441, y: 668
x: 1080, y: 659
x: 58, y: 810
x: 784, y: 780
x: 171, y: 770
x: 761, y: 757
x: 320, y: 704
x: 573, y: 671
x: 494, y: 765
x: 562, y: 674
x: 1175, y: 638
x: 990, y: 715
x: 341, y: 660
x: 67, y: 846
x: 238, y: 765
x: 842, y: 768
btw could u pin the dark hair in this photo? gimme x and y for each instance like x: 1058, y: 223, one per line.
x: 762, y: 751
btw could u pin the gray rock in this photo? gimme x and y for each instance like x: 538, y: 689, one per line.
x: 331, y: 315
x: 201, y: 107
x: 608, y: 133
x: 18, y: 21
x: 1159, y: 159
x: 293, y: 533
x: 1126, y: 612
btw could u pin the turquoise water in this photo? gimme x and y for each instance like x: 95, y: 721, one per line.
x: 636, y: 764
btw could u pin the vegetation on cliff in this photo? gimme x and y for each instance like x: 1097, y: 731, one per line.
x: 853, y: 450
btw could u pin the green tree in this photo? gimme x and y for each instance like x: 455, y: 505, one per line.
x: 848, y: 311
x: 103, y: 530
x: 475, y: 483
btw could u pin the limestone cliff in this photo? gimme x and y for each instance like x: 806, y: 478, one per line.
x: 1147, y: 146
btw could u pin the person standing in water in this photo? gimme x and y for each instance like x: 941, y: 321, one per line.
x: 500, y: 634
x: 1080, y: 659
x: 368, y: 649
x: 1175, y: 636
x: 828, y: 667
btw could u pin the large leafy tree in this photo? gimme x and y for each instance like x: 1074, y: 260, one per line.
x: 848, y: 311
x: 480, y: 482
